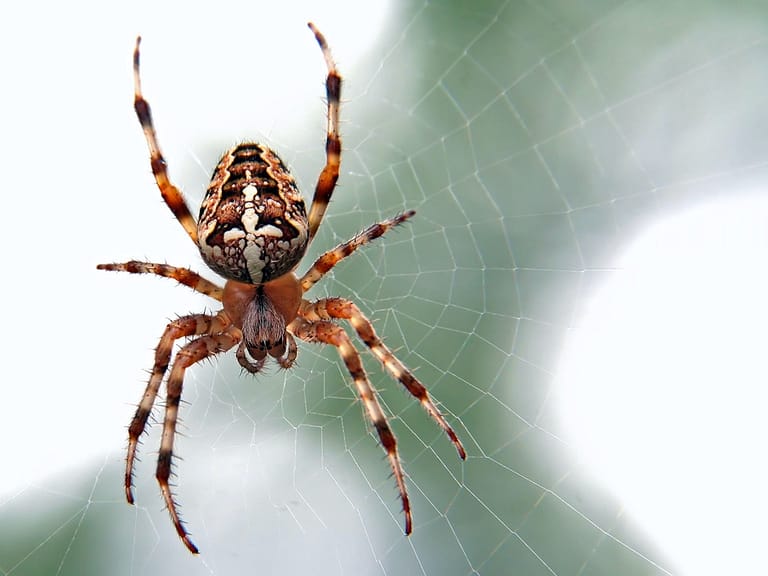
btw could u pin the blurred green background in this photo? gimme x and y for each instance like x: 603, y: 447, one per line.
x: 534, y: 140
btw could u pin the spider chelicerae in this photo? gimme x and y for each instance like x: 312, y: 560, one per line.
x: 253, y: 229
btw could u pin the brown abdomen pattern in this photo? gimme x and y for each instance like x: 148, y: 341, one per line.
x: 253, y: 222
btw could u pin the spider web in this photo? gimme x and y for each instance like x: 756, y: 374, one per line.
x: 582, y: 291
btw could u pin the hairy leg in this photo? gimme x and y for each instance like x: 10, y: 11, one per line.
x: 326, y: 182
x: 194, y: 324
x: 329, y: 333
x: 195, y: 351
x: 181, y: 275
x: 328, y: 260
x: 172, y: 196
x: 339, y: 308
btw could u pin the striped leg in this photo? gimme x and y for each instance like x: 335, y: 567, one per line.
x: 339, y: 308
x: 194, y: 324
x: 326, y: 182
x: 328, y: 260
x: 328, y: 333
x: 181, y: 275
x: 195, y: 351
x: 170, y: 193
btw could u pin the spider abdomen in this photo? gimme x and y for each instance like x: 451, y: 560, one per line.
x: 253, y: 222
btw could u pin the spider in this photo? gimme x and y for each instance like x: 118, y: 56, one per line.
x: 253, y: 229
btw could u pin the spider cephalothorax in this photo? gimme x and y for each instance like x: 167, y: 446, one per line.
x: 263, y: 312
x: 253, y: 229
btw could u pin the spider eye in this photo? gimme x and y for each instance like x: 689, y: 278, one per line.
x: 253, y: 222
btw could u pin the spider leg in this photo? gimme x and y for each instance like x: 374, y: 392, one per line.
x: 326, y: 182
x: 197, y: 350
x: 194, y: 324
x: 328, y: 260
x: 172, y: 196
x: 339, y: 308
x: 181, y: 275
x: 329, y: 333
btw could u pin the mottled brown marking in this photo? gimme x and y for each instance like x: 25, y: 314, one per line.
x: 252, y: 195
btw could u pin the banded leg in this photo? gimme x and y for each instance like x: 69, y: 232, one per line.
x: 194, y: 324
x: 328, y: 260
x: 172, y: 196
x: 181, y: 275
x: 195, y: 351
x: 328, y: 333
x: 326, y: 182
x: 339, y: 308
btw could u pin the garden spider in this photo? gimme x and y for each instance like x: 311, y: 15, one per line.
x: 253, y: 229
